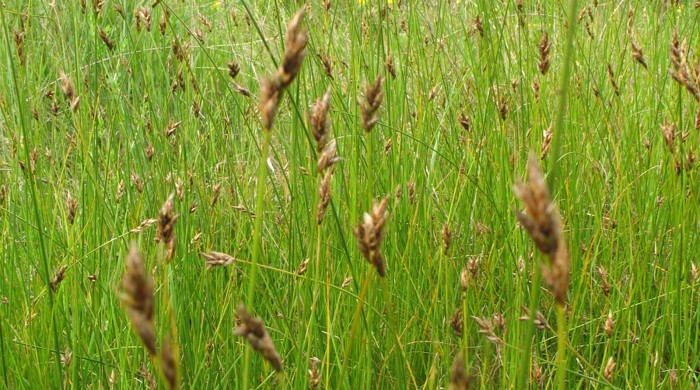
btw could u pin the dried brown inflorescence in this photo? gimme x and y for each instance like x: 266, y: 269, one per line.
x: 544, y: 47
x: 541, y: 220
x: 318, y: 120
x: 71, y: 208
x: 137, y: 296
x: 166, y: 226
x: 459, y: 378
x: 107, y: 41
x: 69, y: 91
x: 638, y: 55
x: 681, y: 72
x: 370, y: 103
x: 369, y: 235
x: 611, y: 78
x: 217, y: 259
x: 294, y: 52
x: 324, y: 196
x: 168, y: 365
x: 254, y: 331
x: 58, y: 277
x: 487, y: 329
x: 328, y: 157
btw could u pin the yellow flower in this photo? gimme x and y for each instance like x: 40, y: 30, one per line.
x: 216, y: 5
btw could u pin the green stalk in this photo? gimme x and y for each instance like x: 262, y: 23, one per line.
x: 257, y: 237
x: 526, y: 342
x: 561, y: 347
x: 32, y: 191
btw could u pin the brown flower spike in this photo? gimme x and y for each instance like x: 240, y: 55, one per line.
x: 166, y: 226
x: 137, y: 296
x: 369, y: 235
x: 254, y: 331
x: 271, y: 89
x: 541, y: 220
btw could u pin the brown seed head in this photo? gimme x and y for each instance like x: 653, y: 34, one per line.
x: 168, y: 365
x: 324, y: 196
x: 137, y: 296
x: 71, y: 207
x: 638, y: 55
x: 369, y: 235
x: 459, y: 379
x: 328, y: 157
x: 294, y: 50
x: 58, y: 277
x: 217, y: 259
x: 544, y: 47
x: 609, y: 369
x: 69, y: 91
x: 254, y: 331
x: 370, y: 104
x: 166, y: 226
x: 107, y: 41
x: 609, y: 325
x: 541, y: 220
x: 318, y: 120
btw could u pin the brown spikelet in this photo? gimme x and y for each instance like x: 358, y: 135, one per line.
x: 668, y: 130
x: 137, y: 296
x: 145, y: 224
x: 370, y: 103
x: 411, y: 190
x: 390, y: 66
x: 540, y: 320
x: 609, y: 325
x: 19, y: 40
x: 58, y: 277
x: 241, y: 90
x: 120, y: 191
x: 459, y: 379
x: 69, y: 91
x: 328, y: 157
x: 638, y: 55
x: 369, y: 235
x: 318, y: 120
x: 294, y: 50
x: 217, y: 259
x: 254, y: 331
x: 324, y: 196
x: 697, y: 120
x: 680, y: 70
x: 233, y: 69
x: 270, y: 91
x: 446, y: 237
x: 486, y: 328
x: 541, y: 220
x: 546, y: 142
x: 611, y: 78
x: 136, y: 181
x: 107, y: 41
x: 604, y: 285
x: 538, y: 375
x: 457, y: 322
x: 168, y: 365
x: 544, y: 47
x: 609, y: 369
x: 478, y: 26
x: 166, y: 226
x: 314, y: 373
x: 71, y: 208
x: 327, y: 65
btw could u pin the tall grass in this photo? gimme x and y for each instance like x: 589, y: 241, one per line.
x: 466, y: 98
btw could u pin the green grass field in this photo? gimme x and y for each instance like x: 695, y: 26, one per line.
x: 109, y: 107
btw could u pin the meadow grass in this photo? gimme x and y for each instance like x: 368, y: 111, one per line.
x: 374, y: 242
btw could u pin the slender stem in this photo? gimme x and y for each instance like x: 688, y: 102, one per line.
x: 32, y: 190
x: 561, y: 347
x: 526, y: 342
x: 563, y: 95
x: 257, y: 238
